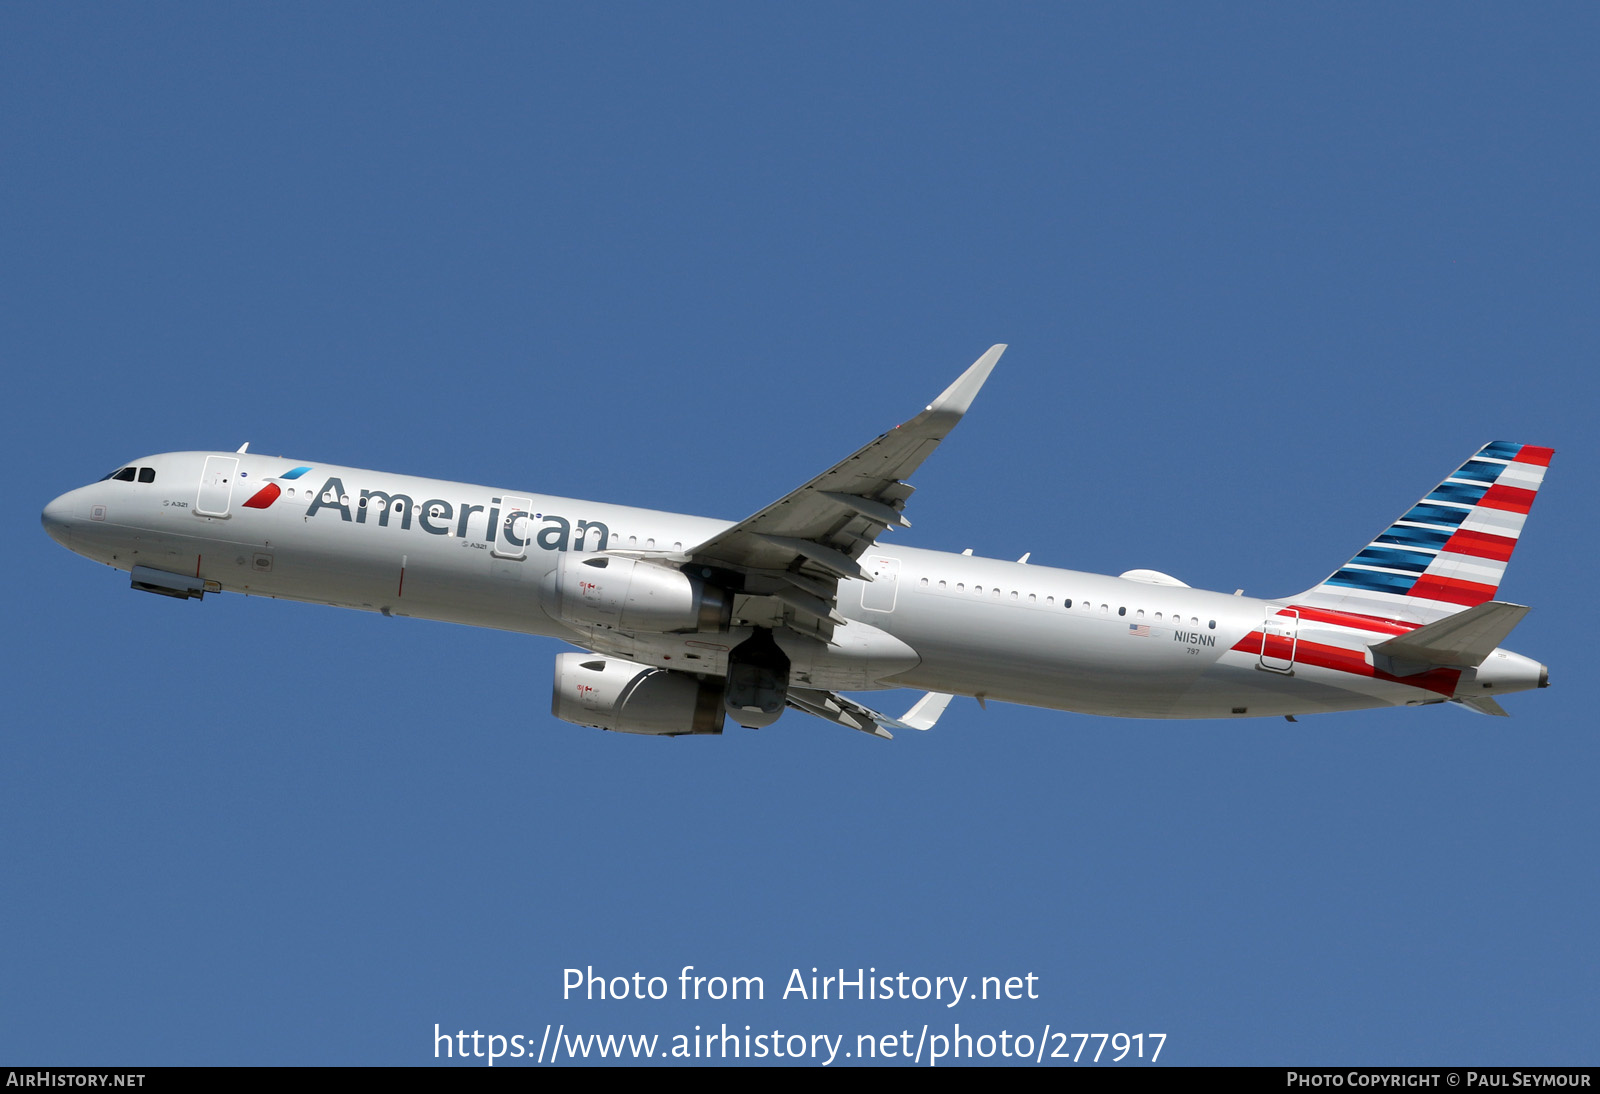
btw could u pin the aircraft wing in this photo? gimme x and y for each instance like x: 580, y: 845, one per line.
x: 836, y: 708
x: 794, y: 552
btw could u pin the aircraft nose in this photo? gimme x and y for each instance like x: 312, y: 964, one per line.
x: 57, y: 520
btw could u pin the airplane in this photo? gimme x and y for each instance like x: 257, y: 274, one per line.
x: 682, y: 622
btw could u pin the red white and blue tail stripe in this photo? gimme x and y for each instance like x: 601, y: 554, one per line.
x: 1449, y: 551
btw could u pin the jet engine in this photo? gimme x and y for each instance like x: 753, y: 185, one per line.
x: 632, y: 594
x: 609, y: 693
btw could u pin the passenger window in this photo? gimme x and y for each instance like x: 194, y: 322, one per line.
x: 147, y: 474
x: 1212, y: 624
x: 1122, y: 611
x: 1066, y: 602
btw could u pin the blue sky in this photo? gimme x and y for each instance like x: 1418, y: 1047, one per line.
x: 1268, y: 273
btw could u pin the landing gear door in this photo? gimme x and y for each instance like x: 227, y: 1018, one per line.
x: 515, y: 529
x: 216, y: 486
x: 1279, y: 635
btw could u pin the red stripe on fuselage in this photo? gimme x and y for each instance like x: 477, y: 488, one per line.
x: 1352, y: 619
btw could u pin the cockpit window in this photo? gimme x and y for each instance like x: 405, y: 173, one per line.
x: 128, y: 474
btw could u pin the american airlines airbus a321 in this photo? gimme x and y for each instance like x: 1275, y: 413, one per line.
x: 687, y: 620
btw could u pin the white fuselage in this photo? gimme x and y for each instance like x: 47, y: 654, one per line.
x: 981, y: 627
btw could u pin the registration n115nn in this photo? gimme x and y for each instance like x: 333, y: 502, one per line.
x: 685, y: 621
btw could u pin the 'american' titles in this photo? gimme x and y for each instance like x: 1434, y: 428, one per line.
x: 439, y: 517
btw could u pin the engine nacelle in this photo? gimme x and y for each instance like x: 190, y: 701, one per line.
x: 609, y: 693
x: 632, y: 594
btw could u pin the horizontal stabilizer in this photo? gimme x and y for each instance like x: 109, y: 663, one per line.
x: 1459, y: 641
x: 1483, y: 705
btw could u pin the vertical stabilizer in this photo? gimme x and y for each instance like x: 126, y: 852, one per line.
x: 1449, y: 551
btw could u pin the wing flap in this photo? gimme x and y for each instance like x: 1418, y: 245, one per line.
x: 835, y: 561
x: 809, y: 605
x: 833, y: 707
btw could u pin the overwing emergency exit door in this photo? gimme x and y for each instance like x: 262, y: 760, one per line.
x: 878, y: 595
